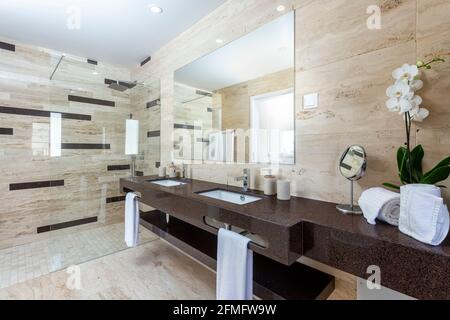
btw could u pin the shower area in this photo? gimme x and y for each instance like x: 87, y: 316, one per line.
x: 197, y: 119
x: 62, y: 154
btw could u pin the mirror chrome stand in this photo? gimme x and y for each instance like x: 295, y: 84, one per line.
x: 350, y: 209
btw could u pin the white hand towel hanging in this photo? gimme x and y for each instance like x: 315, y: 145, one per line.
x: 234, y: 267
x: 131, y: 220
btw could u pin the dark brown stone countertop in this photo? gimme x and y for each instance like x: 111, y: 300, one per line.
x: 315, y: 229
x: 290, y: 213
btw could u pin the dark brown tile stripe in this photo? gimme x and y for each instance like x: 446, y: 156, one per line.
x: 85, y: 146
x: 186, y: 126
x: 43, y: 113
x: 92, y: 101
x: 36, y: 185
x: 139, y: 173
x: 146, y: 61
x: 119, y: 167
x: 90, y: 61
x: 6, y: 131
x: 115, y: 199
x: 7, y: 46
x: 203, y: 93
x: 153, y: 134
x: 153, y: 103
x: 129, y: 85
x: 65, y: 225
x: 110, y: 81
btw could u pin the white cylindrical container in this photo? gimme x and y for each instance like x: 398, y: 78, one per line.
x: 270, y: 185
x: 162, y: 172
x: 284, y: 190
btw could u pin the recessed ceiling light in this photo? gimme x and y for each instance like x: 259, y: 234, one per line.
x: 219, y: 41
x: 156, y: 9
x: 281, y: 8
x: 95, y: 73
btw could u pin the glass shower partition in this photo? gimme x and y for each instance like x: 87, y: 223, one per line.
x: 62, y: 154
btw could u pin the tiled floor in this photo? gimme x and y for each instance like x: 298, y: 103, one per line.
x: 155, y: 270
x: 151, y: 271
x: 29, y: 261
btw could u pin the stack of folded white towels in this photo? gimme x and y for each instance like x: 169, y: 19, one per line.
x: 419, y: 211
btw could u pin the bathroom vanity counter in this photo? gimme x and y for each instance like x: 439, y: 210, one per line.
x: 303, y: 227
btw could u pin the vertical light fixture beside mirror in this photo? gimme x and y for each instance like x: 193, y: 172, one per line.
x: 132, y: 142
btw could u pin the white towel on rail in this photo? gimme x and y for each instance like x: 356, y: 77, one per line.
x: 131, y: 220
x: 234, y: 267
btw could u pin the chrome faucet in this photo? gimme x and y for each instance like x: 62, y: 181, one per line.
x: 245, y: 179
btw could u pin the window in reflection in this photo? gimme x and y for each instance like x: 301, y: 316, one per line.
x: 272, y: 136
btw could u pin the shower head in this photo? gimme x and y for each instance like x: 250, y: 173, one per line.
x: 122, y: 86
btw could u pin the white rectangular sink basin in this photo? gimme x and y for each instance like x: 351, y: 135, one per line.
x: 168, y: 183
x: 230, y: 197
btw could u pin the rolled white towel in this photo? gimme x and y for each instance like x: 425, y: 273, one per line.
x: 424, y: 216
x: 382, y: 204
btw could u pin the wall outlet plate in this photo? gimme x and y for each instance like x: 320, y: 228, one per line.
x: 310, y: 101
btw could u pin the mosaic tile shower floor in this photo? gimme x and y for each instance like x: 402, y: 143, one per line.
x: 29, y: 261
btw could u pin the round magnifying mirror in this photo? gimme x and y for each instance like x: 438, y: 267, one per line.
x: 352, y: 166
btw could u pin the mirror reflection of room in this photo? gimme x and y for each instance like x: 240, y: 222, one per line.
x: 236, y: 105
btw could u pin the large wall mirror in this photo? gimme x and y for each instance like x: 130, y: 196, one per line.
x: 236, y: 104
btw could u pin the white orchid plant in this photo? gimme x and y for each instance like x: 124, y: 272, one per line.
x: 404, y: 100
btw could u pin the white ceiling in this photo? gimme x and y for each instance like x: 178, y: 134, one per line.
x: 267, y: 50
x: 121, y: 32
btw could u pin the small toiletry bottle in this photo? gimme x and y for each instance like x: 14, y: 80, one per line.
x: 185, y: 171
x: 162, y: 171
x: 270, y: 185
x: 172, y: 171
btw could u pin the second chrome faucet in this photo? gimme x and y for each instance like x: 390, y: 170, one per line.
x: 245, y: 180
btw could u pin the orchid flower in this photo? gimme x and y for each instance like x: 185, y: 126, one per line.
x: 419, y: 114
x: 407, y: 73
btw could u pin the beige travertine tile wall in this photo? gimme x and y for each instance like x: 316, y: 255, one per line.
x: 349, y: 65
x: 24, y: 156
